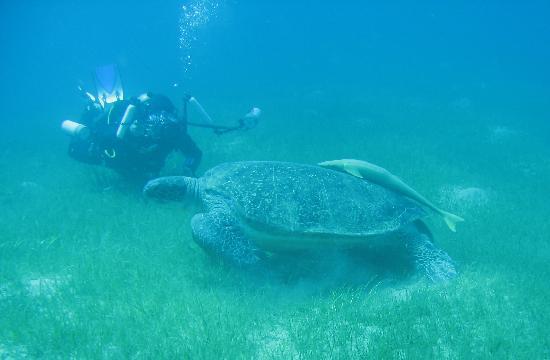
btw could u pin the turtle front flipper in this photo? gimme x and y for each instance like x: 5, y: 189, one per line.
x: 218, y: 233
x: 429, y: 259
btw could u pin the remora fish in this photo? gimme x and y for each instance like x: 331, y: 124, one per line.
x: 365, y: 170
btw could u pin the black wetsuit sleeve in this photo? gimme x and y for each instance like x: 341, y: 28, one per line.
x: 85, y: 151
x: 189, y: 149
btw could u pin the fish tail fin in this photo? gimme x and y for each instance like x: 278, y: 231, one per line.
x: 451, y: 220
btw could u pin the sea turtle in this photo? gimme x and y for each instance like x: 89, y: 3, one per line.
x: 251, y: 208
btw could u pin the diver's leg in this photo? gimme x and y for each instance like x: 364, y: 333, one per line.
x: 428, y: 259
x: 218, y: 233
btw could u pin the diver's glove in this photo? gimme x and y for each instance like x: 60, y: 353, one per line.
x: 189, y: 166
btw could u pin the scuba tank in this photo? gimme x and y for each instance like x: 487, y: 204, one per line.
x: 126, y: 121
x: 73, y: 128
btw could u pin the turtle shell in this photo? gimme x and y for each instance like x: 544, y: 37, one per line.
x: 297, y: 198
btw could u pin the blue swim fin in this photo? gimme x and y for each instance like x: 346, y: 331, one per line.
x: 108, y: 84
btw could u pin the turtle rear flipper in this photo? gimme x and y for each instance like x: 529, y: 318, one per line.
x: 218, y: 233
x: 428, y: 258
x: 435, y: 263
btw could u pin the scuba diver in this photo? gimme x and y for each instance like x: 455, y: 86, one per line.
x: 135, y: 136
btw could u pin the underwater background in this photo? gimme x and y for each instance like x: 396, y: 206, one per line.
x: 454, y: 97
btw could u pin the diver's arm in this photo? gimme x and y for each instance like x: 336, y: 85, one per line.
x: 85, y: 151
x: 190, y: 150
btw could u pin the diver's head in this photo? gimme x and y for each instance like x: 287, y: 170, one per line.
x: 156, y: 103
x: 156, y: 126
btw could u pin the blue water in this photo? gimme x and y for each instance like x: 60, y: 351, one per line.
x: 252, y: 50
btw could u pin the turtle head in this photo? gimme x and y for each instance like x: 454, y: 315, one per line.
x: 171, y: 188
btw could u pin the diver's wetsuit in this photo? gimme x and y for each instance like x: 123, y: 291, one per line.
x: 154, y: 132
